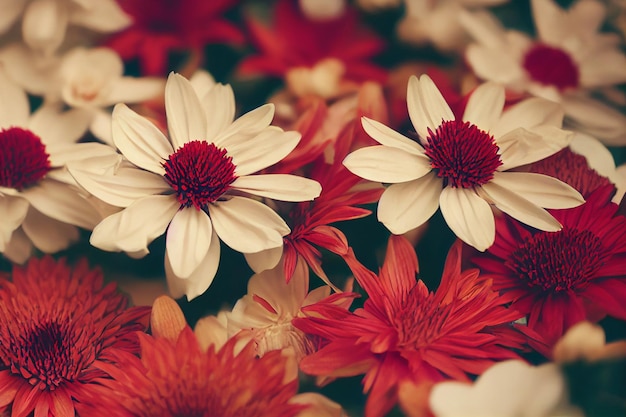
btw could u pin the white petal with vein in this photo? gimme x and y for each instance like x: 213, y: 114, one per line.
x: 386, y: 164
x: 185, y: 117
x: 282, y: 187
x: 188, y: 240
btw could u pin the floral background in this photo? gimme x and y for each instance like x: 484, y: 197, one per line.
x: 312, y: 208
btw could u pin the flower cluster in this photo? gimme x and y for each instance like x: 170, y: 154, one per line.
x: 260, y: 179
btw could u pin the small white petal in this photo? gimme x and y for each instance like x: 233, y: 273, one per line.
x: 389, y: 137
x: 47, y: 234
x: 62, y: 202
x: 469, y: 216
x: 188, y: 240
x: 282, y: 187
x: 427, y: 107
x: 522, y: 146
x: 494, y: 64
x: 264, y: 260
x: 202, y: 82
x: 134, y: 90
x: 219, y: 107
x: 65, y: 153
x: 126, y: 186
x: 100, y: 126
x: 484, y: 106
x: 250, y: 124
x: 44, y: 24
x: 139, y: 140
x: 408, y: 205
x: 14, y: 107
x: 519, y: 208
x: 596, y: 118
x: 527, y: 114
x: 101, y: 16
x: 185, y: 117
x: 12, y: 212
x: 483, y: 27
x: 246, y: 225
x: 603, y: 68
x: 201, y: 278
x: 132, y: 229
x: 20, y: 248
x: 263, y: 150
x: 56, y: 127
x: 386, y: 164
x: 541, y: 190
x: 551, y: 21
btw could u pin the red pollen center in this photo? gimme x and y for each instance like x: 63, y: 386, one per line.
x: 551, y: 66
x: 200, y: 173
x: 23, y: 158
x: 462, y: 154
x: 557, y: 261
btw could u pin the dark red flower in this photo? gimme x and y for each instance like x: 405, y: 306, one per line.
x: 297, y: 42
x: 56, y: 324
x: 162, y: 26
x: 560, y: 278
x: 406, y: 333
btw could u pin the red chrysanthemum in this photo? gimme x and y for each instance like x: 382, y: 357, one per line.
x: 295, y: 41
x: 56, y: 324
x: 162, y: 26
x: 176, y: 378
x: 406, y: 333
x: 560, y: 278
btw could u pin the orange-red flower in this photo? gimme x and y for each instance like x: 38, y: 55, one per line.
x: 561, y: 278
x: 163, y: 26
x: 406, y: 333
x: 56, y: 325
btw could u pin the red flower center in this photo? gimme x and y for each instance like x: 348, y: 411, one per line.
x: 23, y: 158
x: 557, y: 261
x: 462, y: 154
x: 200, y: 173
x: 551, y: 66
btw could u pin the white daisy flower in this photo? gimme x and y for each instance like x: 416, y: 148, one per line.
x: 40, y: 204
x: 569, y: 59
x: 196, y: 184
x: 44, y: 22
x: 462, y: 166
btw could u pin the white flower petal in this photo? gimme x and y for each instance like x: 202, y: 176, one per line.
x: 246, y: 225
x: 522, y: 146
x: 527, y: 114
x: 100, y: 126
x: 551, y: 21
x: 201, y: 278
x: 188, y: 240
x: 47, y: 234
x: 250, y: 124
x: 202, y: 82
x: 126, y: 186
x: 386, y: 164
x: 20, y: 248
x: 483, y: 27
x: 12, y: 212
x: 56, y: 127
x: 139, y: 140
x: 541, y: 190
x: 132, y: 229
x: 185, y: 117
x: 64, y: 153
x: 11, y: 10
x: 604, y: 68
x: 407, y: 205
x: 389, y: 137
x: 469, y: 216
x: 134, y: 90
x: 263, y: 150
x: 597, y: 155
x: 519, y: 208
x: 427, y: 107
x: 219, y: 107
x: 596, y: 118
x: 44, y: 24
x: 101, y: 16
x: 282, y: 187
x: 14, y: 107
x: 493, y: 64
x: 62, y: 202
x: 485, y: 105
x: 264, y: 260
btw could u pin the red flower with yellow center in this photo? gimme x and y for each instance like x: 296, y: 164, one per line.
x: 56, y: 325
x: 406, y: 333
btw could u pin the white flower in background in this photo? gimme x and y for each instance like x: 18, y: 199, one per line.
x: 587, y: 341
x: 507, y: 389
x: 568, y: 60
x: 321, y: 10
x: 196, y: 184
x: 462, y: 166
x: 44, y: 22
x: 436, y: 22
x: 266, y: 311
x: 39, y: 205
